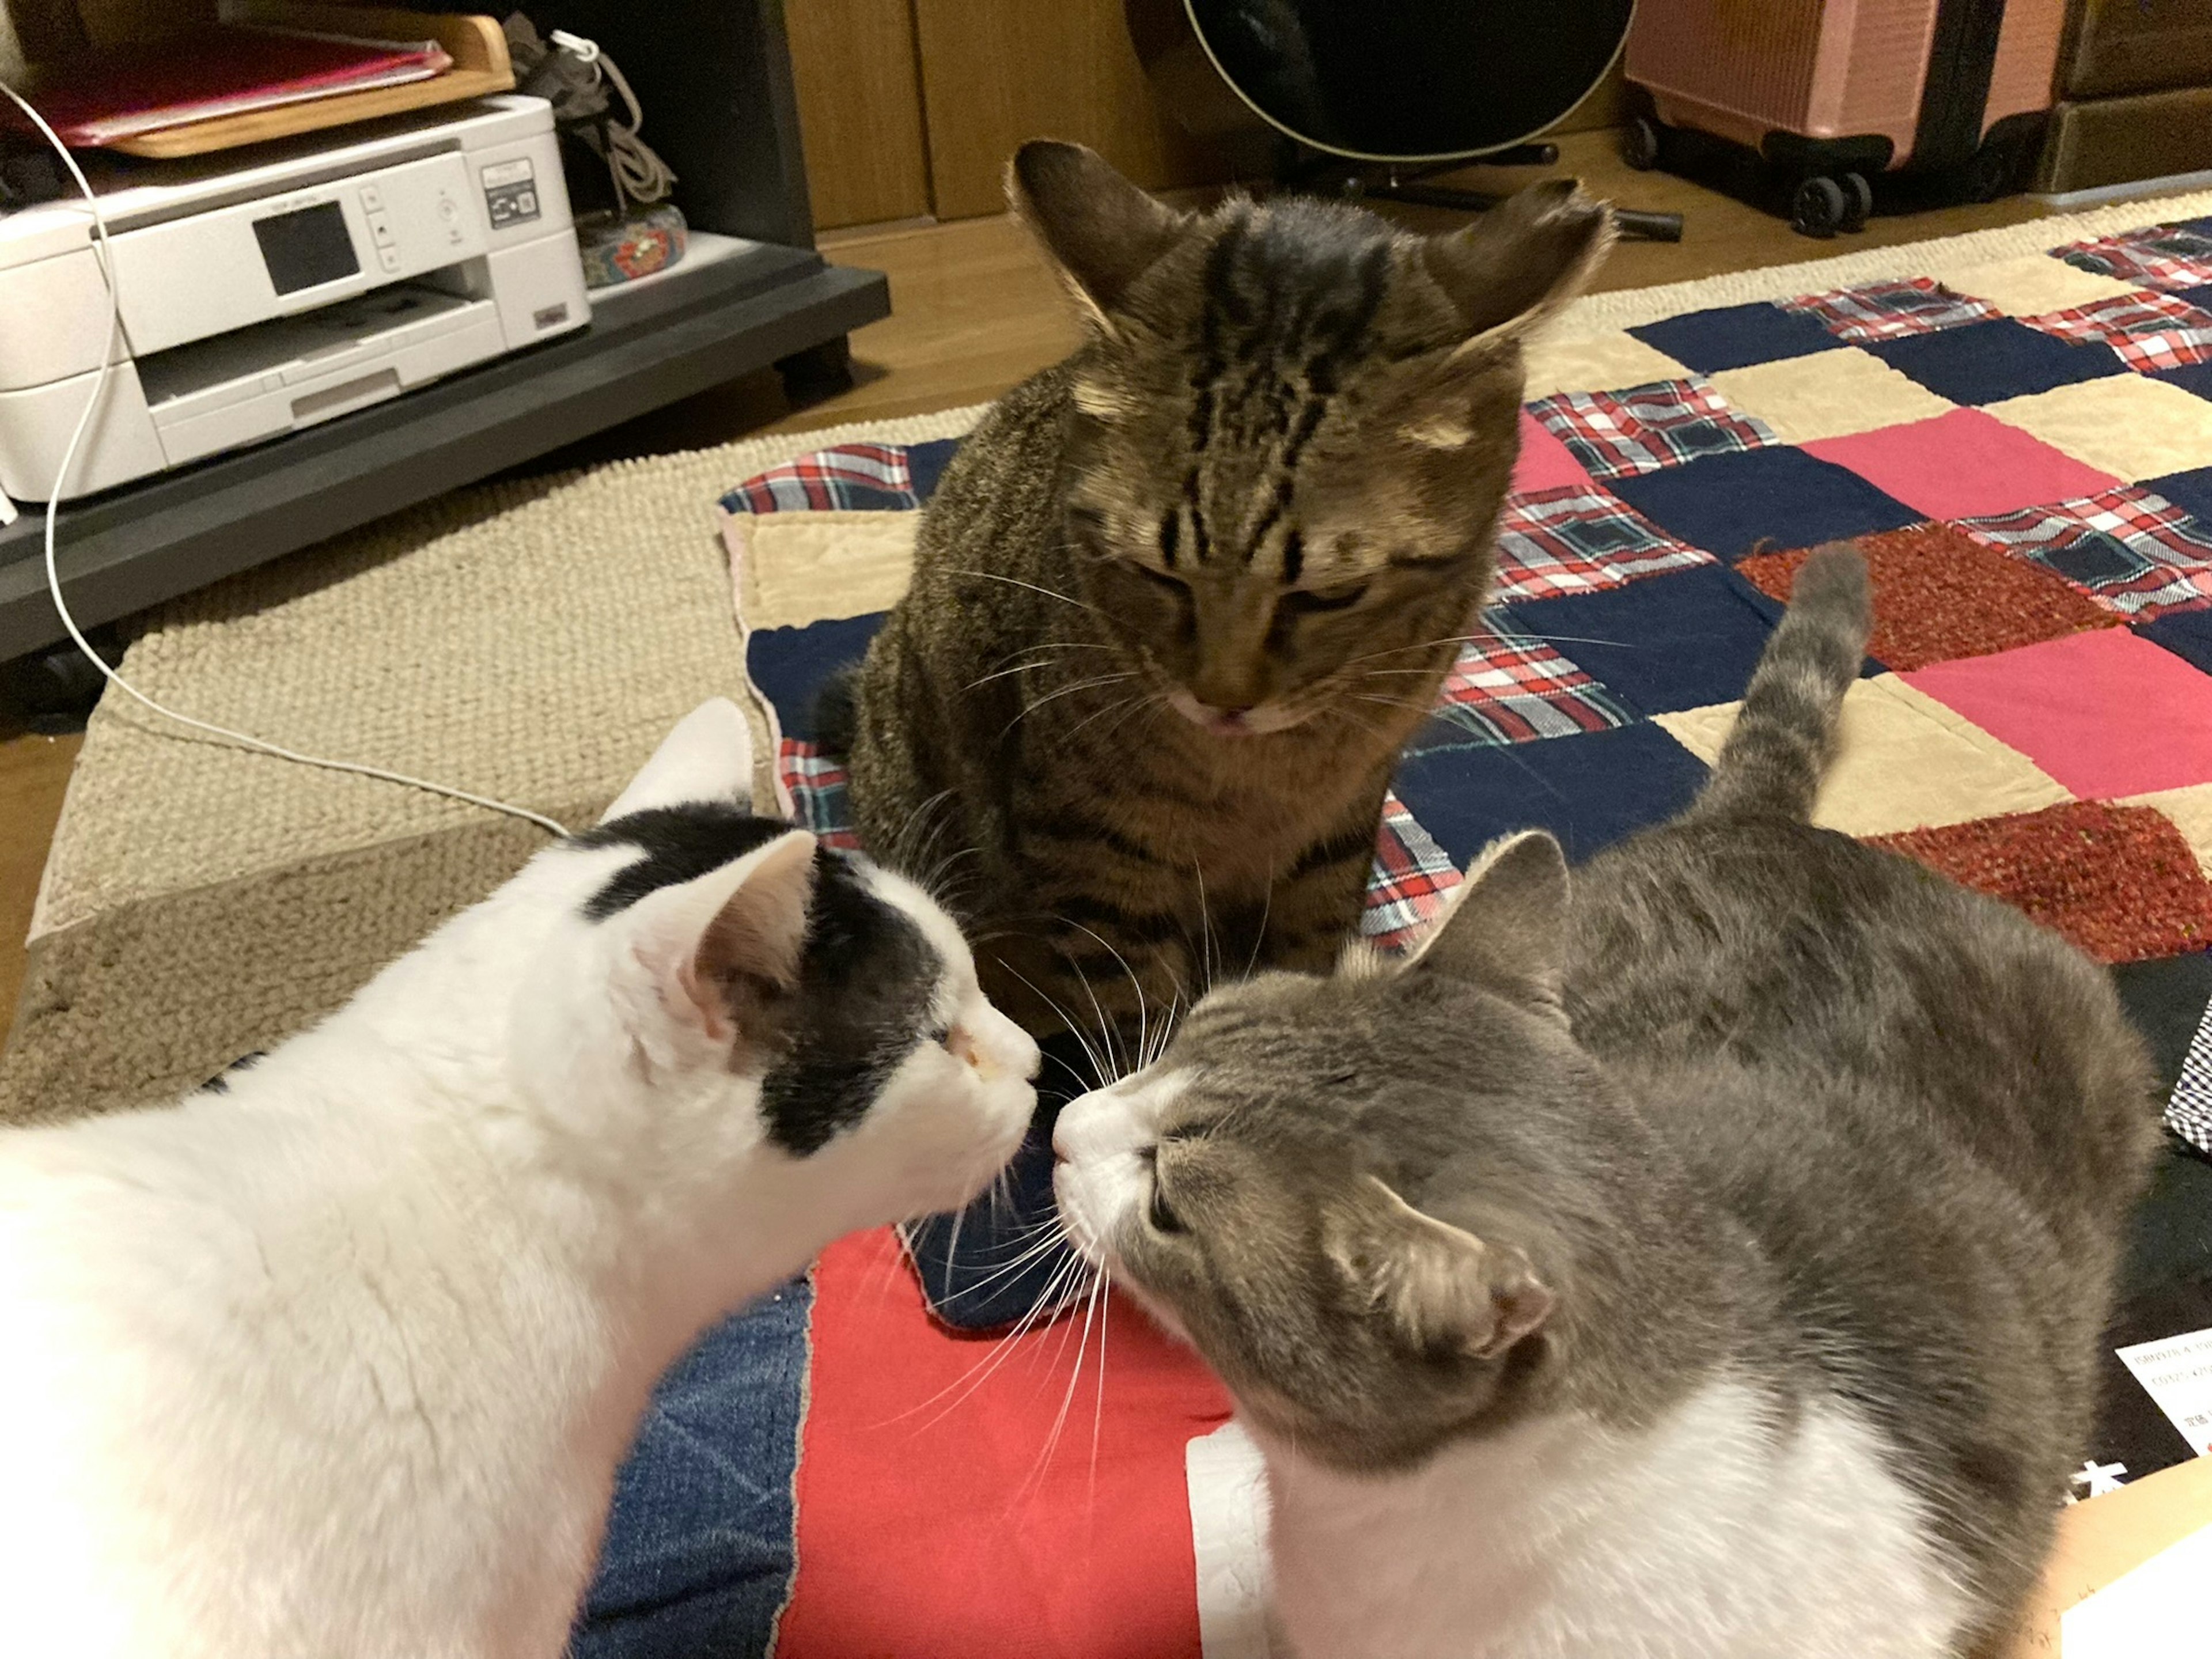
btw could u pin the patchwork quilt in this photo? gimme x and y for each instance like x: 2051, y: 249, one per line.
x: 2024, y: 450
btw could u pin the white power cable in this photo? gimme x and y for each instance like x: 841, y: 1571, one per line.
x: 104, y: 255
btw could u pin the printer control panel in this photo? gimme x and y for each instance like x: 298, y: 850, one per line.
x: 282, y: 254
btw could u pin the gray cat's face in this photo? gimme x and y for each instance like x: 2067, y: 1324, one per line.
x: 1337, y: 1189
x: 1294, y: 426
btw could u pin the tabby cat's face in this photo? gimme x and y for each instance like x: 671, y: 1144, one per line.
x: 1294, y: 426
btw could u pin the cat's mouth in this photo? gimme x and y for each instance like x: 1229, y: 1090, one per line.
x: 1258, y: 721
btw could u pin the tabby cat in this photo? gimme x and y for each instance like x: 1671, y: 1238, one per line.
x: 1706, y: 1263
x: 1179, y: 599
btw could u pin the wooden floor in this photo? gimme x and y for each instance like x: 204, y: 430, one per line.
x: 973, y: 311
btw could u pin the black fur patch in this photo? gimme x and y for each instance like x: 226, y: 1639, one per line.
x: 220, y: 1083
x: 681, y: 844
x: 867, y: 979
x: 867, y: 976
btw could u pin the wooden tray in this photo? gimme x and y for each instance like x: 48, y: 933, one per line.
x: 476, y: 45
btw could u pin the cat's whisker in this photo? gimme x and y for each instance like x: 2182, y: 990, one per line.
x: 1029, y: 709
x: 1002, y: 1348
x: 1098, y: 1061
x: 1016, y: 581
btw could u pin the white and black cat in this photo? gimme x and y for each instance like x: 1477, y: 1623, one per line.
x: 338, y: 1356
x: 1708, y: 1263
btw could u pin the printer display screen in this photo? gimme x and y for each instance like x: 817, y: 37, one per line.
x: 306, y: 248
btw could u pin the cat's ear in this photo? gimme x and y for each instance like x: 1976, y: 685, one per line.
x: 1442, y: 1293
x: 1100, y: 230
x: 709, y: 757
x: 1523, y: 259
x: 721, y: 953
x: 1506, y: 926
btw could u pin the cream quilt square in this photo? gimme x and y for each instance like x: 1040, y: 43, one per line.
x: 2030, y: 284
x: 1596, y: 362
x: 1906, y: 763
x: 793, y: 568
x: 2190, y: 809
x: 1829, y: 394
x: 2129, y: 425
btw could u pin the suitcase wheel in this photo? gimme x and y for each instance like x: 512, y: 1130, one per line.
x: 1820, y: 208
x: 1858, y: 201
x: 1640, y: 142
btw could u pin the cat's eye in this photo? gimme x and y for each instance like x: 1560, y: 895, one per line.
x: 1160, y: 1212
x: 1301, y: 602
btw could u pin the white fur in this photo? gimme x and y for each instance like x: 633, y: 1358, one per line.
x: 1710, y: 1535
x: 1707, y: 1537
x: 342, y: 1362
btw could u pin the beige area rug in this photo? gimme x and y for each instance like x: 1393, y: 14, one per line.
x: 528, y: 640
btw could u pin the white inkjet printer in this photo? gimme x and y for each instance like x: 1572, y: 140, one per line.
x: 264, y: 289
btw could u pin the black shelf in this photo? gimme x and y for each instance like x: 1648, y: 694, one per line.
x: 692, y: 329
x: 715, y: 77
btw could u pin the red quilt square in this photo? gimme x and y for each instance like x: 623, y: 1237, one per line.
x: 2148, y: 330
x: 2117, y: 882
x: 1961, y: 465
x: 1544, y: 462
x: 1938, y: 594
x: 2104, y: 713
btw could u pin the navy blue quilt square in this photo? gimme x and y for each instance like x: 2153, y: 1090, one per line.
x: 2190, y: 377
x: 2187, y: 634
x: 790, y: 664
x: 2189, y: 491
x: 1735, y: 337
x: 1988, y: 362
x: 1588, y: 791
x: 1670, y: 643
x: 926, y: 464
x: 1732, y: 504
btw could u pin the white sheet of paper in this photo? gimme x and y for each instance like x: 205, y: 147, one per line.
x: 2177, y: 1372
x: 2156, y: 1611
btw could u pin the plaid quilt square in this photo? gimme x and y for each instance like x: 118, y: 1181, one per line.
x: 2188, y: 1113
x: 1891, y: 310
x: 1618, y: 433
x: 2130, y: 550
x: 2148, y: 330
x: 1571, y: 540
x: 849, y: 475
x: 2163, y: 257
x: 1512, y: 687
x: 817, y: 785
x: 1412, y: 877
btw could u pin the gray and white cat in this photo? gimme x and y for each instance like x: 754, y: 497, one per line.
x: 339, y: 1356
x: 1705, y: 1261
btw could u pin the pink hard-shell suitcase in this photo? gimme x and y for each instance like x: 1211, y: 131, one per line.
x: 1836, y: 92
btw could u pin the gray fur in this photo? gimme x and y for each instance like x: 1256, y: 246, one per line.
x: 1813, y: 1114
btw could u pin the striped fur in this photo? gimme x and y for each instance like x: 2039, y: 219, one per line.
x: 1785, y: 737
x: 1179, y: 599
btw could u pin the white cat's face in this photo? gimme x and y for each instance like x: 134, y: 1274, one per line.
x: 746, y: 990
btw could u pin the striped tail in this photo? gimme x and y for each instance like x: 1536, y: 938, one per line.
x: 1785, y: 737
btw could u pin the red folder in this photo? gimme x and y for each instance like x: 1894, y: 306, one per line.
x: 222, y: 70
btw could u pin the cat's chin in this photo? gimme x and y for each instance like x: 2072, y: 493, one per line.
x: 1263, y: 722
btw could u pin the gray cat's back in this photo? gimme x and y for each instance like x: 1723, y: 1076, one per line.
x: 1928, y: 1117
